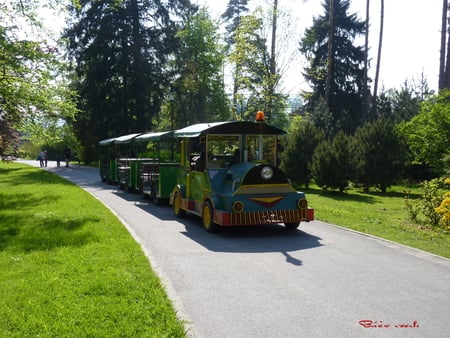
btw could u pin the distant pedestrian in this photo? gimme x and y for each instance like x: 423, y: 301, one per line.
x: 67, y: 155
x: 58, y: 160
x: 45, y: 157
x: 41, y: 158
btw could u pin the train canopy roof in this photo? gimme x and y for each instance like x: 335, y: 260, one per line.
x: 229, y: 127
x: 125, y: 138
x: 107, y: 141
x: 158, y: 136
x: 120, y: 139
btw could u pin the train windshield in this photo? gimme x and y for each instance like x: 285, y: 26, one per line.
x: 223, y: 150
x: 262, y: 148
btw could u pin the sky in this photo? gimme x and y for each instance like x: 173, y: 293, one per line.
x: 411, y: 38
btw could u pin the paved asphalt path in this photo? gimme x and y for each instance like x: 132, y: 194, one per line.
x: 320, y: 281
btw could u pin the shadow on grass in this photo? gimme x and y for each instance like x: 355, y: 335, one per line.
x: 395, y: 194
x: 21, y: 202
x: 29, y: 176
x: 340, y: 196
x: 25, y: 222
x: 45, y: 232
x: 357, y: 195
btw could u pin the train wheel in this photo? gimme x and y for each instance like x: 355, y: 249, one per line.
x: 155, y: 199
x: 291, y: 226
x: 177, y: 205
x: 208, y: 217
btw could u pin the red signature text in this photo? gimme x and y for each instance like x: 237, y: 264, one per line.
x: 379, y: 324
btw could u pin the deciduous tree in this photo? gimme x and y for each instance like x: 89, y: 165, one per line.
x: 255, y: 81
x: 233, y: 14
x: 33, y: 93
x: 427, y: 133
x: 198, y: 89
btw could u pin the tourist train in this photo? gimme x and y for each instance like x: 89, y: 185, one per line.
x: 225, y: 172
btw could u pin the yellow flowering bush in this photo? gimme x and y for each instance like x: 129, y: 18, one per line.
x: 444, y: 208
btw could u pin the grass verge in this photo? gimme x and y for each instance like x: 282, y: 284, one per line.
x: 378, y: 214
x: 68, y: 266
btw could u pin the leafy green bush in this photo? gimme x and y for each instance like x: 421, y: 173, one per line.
x: 412, y: 207
x: 430, y: 200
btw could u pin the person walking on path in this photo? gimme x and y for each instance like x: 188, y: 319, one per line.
x: 45, y: 158
x: 41, y: 158
x: 67, y: 155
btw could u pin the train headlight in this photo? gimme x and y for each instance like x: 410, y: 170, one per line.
x: 302, y: 203
x: 266, y: 173
x: 238, y: 206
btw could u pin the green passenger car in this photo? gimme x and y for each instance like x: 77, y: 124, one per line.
x: 106, y: 162
x: 157, y: 171
x: 144, y: 162
x: 111, y: 150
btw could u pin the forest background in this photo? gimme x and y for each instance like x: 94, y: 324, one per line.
x: 126, y: 66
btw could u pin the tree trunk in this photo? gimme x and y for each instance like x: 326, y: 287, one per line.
x: 235, y: 91
x: 236, y: 116
x: 447, y: 63
x: 442, y: 72
x: 274, y: 35
x: 272, y: 65
x: 366, y: 65
x: 330, y: 53
x: 380, y: 44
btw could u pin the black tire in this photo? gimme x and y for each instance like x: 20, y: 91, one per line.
x: 291, y: 226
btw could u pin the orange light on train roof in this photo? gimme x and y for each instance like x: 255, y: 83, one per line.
x: 260, y: 116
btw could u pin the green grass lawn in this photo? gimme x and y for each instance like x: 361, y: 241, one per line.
x: 378, y: 214
x: 69, y: 268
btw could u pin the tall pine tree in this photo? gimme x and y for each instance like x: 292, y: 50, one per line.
x: 335, y: 69
x: 233, y: 14
x: 119, y: 50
